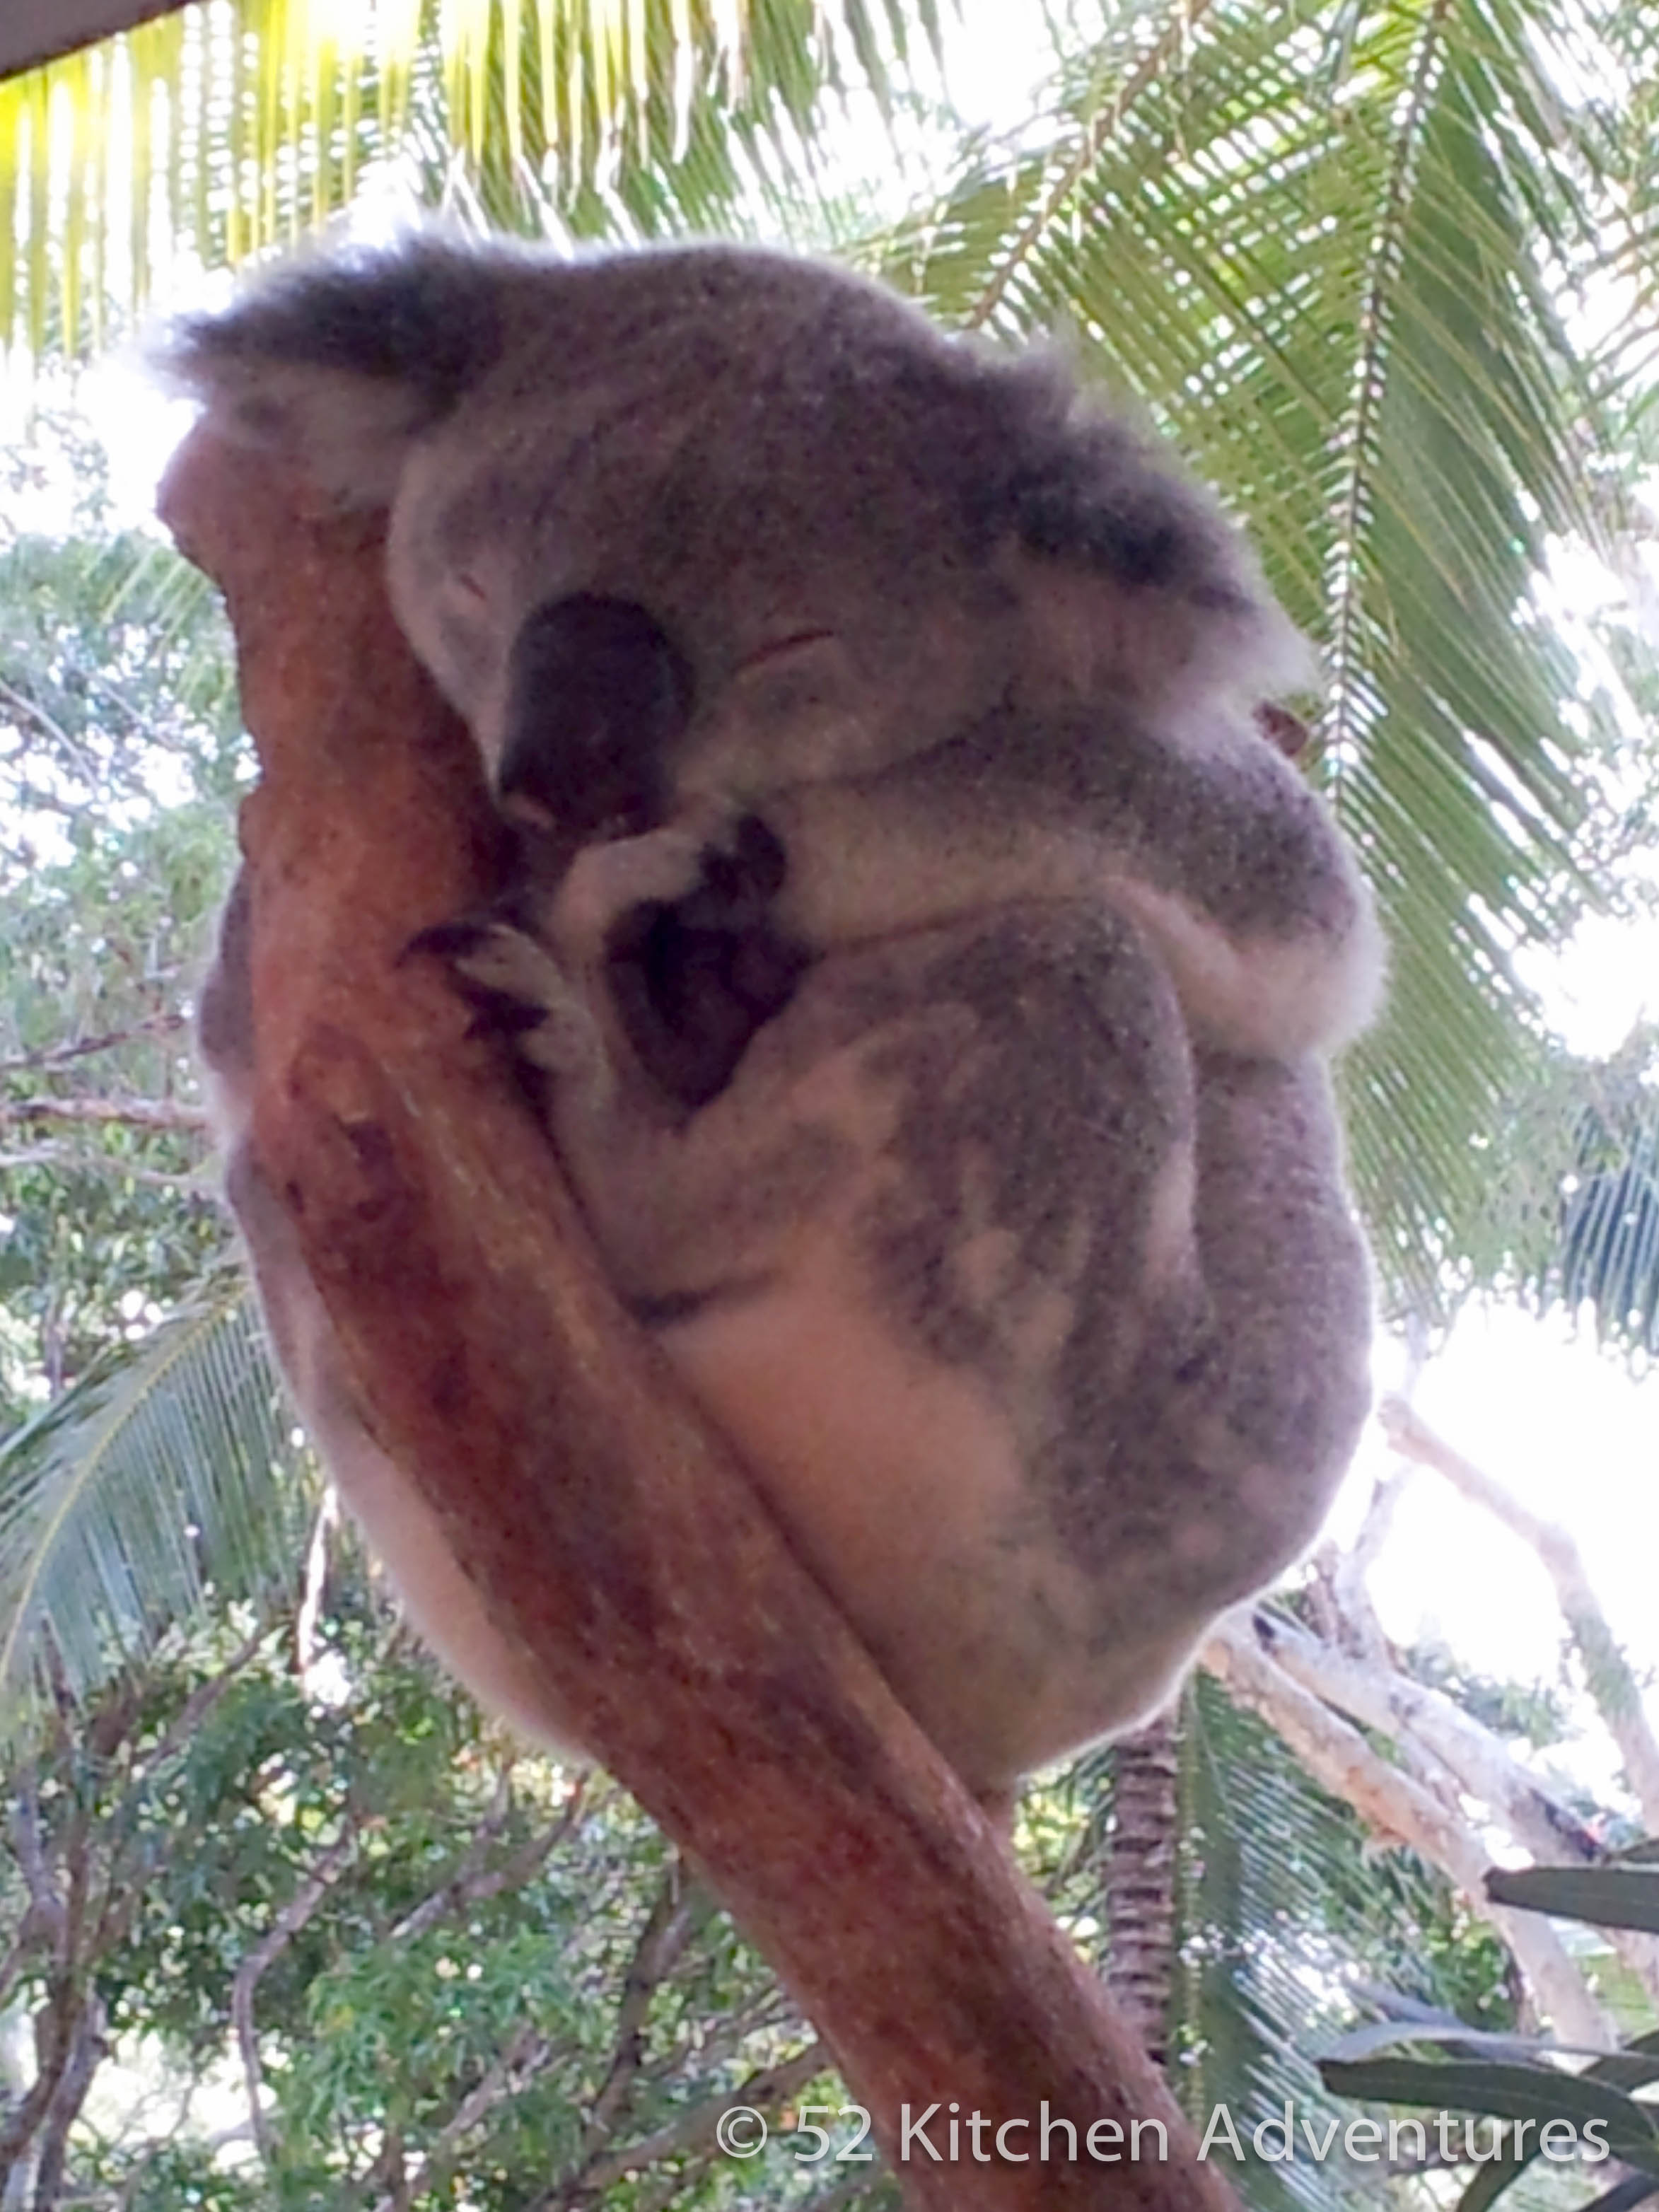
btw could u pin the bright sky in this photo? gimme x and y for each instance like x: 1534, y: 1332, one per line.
x: 1567, y: 1431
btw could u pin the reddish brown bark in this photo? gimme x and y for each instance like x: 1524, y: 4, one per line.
x: 630, y: 1555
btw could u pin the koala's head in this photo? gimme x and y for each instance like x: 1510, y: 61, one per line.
x: 754, y: 515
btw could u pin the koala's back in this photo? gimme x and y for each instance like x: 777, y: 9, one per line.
x: 940, y: 1262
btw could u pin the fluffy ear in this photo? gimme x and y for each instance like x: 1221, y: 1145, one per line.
x: 1162, y: 593
x: 336, y: 363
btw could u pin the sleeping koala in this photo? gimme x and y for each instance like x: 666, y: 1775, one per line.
x: 927, y: 961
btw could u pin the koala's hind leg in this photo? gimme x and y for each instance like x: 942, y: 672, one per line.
x: 1045, y: 1335
x: 1211, y: 1467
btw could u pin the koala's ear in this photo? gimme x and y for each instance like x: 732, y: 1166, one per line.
x: 1164, y: 592
x: 337, y: 362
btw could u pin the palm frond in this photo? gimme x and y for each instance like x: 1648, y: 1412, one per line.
x: 1330, y: 248
x: 238, y: 125
x: 1571, y: 1220
x: 167, y: 1479
x: 1282, y: 1897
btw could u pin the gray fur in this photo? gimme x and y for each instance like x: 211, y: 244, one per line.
x: 930, y: 965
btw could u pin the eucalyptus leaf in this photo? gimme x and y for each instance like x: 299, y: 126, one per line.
x: 1610, y: 1897
x: 1538, y: 2093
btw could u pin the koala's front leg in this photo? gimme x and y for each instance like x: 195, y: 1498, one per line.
x: 534, y: 963
x: 522, y: 992
x: 653, y: 960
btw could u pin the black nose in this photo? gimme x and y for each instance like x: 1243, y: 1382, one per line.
x: 599, y: 695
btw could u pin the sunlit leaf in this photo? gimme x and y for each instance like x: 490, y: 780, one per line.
x: 170, y: 1471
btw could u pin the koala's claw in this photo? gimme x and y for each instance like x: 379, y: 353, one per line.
x: 449, y: 940
x: 494, y: 1014
x: 517, y: 990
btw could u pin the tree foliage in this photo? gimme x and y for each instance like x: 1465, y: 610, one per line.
x: 237, y: 124
x: 1342, y: 252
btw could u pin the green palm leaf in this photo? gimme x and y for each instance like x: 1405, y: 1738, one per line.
x: 1572, y: 1209
x: 1608, y: 1252
x: 1325, y: 246
x: 167, y: 1477
x: 1281, y: 1895
x: 235, y: 124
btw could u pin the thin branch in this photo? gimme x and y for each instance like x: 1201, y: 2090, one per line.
x: 1351, y: 1574
x: 525, y: 2055
x: 689, y: 2130
x: 312, y: 1585
x: 475, y: 1879
x: 24, y: 793
x: 293, y: 1916
x: 44, y: 1903
x: 186, y: 1722
x: 707, y: 2045
x: 190, y: 1185
x: 55, y: 1056
x: 1466, y: 1758
x: 30, y: 710
x: 124, y: 1113
x: 1608, y: 1675
x: 61, y: 1910
x: 662, y: 1942
x: 1392, y: 1705
x: 1396, y: 1809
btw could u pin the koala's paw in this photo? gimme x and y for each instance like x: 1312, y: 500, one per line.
x: 609, y: 881
x: 743, y: 866
x: 518, y: 991
x: 717, y: 870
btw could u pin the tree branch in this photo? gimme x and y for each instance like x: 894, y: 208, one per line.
x: 1396, y: 1808
x: 526, y: 2052
x: 475, y: 1878
x: 610, y: 1532
x: 54, y: 1055
x: 88, y: 2045
x: 692, y: 2130
x: 1463, y: 1758
x: 271, y: 1946
x: 124, y: 1113
x: 1607, y: 1673
x: 73, y: 1162
x: 662, y: 1942
x: 1479, y: 1763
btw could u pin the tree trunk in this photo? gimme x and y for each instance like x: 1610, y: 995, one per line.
x: 1140, y: 1874
x: 635, y: 1568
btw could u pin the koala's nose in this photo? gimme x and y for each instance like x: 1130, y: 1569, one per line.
x: 598, y: 693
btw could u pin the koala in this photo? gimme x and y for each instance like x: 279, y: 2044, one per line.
x: 926, y: 959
